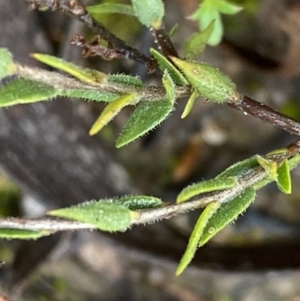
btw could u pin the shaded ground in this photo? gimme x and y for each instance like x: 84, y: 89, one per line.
x: 260, y: 54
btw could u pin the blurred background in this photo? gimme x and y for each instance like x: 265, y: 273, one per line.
x: 47, y: 160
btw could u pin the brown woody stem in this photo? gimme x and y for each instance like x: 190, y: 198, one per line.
x: 261, y: 111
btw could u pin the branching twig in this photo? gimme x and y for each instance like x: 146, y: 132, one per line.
x: 77, y: 10
x: 252, y: 178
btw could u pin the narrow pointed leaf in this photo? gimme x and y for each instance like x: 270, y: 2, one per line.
x: 173, y: 30
x: 165, y: 64
x: 284, y: 178
x: 137, y: 202
x: 110, y: 111
x: 104, y: 216
x: 111, y: 8
x: 228, y: 8
x: 169, y: 87
x: 21, y: 91
x: 202, y: 221
x: 146, y: 117
x: 7, y: 66
x: 269, y: 166
x: 83, y: 74
x: 8, y: 233
x: 208, y: 81
x: 205, y: 186
x: 149, y: 12
x: 197, y: 42
x: 227, y: 213
x: 188, y: 107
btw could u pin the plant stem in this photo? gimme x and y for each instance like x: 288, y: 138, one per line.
x: 261, y: 111
x: 77, y: 10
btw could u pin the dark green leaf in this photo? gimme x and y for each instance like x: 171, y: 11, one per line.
x: 227, y: 213
x: 137, y: 202
x: 21, y: 91
x: 7, y: 233
x: 197, y: 42
x: 146, y: 116
x: 205, y: 186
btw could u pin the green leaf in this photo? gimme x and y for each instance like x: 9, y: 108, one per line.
x: 169, y: 87
x: 125, y: 79
x: 146, y: 116
x: 227, y: 213
x: 188, y: 107
x: 208, y: 81
x: 172, y: 31
x: 240, y: 169
x: 269, y: 166
x: 197, y: 42
x: 137, y: 202
x: 8, y: 233
x: 104, y: 216
x: 110, y: 111
x: 165, y: 64
x: 189, y: 253
x: 7, y: 66
x: 21, y: 91
x: 205, y: 186
x: 90, y: 95
x: 111, y: 8
x: 228, y: 8
x: 149, y: 12
x: 205, y: 14
x: 284, y: 178
x: 83, y: 74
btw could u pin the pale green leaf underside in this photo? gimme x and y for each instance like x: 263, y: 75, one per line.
x: 7, y: 66
x: 227, y: 213
x: 149, y: 12
x: 111, y: 8
x: 189, y: 105
x: 195, y: 236
x: 83, y: 74
x: 208, y: 81
x: 205, y: 186
x: 104, y: 216
x: 284, y: 178
x: 110, y: 111
x: 125, y: 79
x: 146, y: 116
x: 7, y: 233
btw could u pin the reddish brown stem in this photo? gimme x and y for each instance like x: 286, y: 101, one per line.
x: 259, y: 110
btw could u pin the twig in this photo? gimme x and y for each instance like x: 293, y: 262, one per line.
x: 152, y: 215
x: 77, y: 10
x: 261, y: 111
